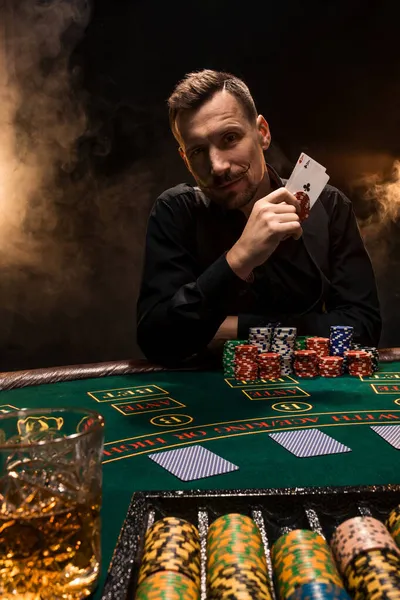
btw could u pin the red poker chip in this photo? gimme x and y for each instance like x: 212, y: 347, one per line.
x: 243, y: 361
x: 304, y: 200
x: 241, y: 347
x: 331, y: 359
x: 249, y: 349
x: 366, y: 374
x: 276, y: 376
x: 307, y: 374
x: 319, y: 344
x: 355, y: 354
x: 272, y: 373
x: 330, y: 374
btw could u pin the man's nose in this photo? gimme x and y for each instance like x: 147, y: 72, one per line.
x: 218, y: 162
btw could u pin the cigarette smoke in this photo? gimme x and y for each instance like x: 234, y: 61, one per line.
x: 41, y: 120
x: 66, y: 233
x: 378, y: 190
x: 372, y: 181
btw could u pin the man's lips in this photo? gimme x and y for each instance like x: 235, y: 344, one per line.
x: 228, y: 184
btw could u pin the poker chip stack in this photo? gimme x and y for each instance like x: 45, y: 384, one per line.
x: 374, y: 352
x: 368, y: 559
x: 330, y: 366
x: 170, y: 566
x: 393, y: 524
x: 305, y: 363
x: 340, y: 340
x: 246, y: 365
x: 359, y: 362
x: 236, y: 564
x: 304, y: 567
x: 283, y: 342
x: 261, y: 337
x: 228, y: 357
x: 319, y: 344
x: 269, y: 364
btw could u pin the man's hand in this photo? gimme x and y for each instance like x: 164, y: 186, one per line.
x: 272, y: 219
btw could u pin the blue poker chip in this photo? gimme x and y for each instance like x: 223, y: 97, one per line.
x: 340, y: 340
x: 319, y: 591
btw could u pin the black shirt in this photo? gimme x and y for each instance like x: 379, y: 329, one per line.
x: 188, y: 287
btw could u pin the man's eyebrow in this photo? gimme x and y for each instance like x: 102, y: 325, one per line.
x: 221, y: 131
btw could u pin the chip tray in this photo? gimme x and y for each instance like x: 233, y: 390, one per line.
x: 276, y: 511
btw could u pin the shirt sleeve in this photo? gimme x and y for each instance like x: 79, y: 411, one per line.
x: 179, y: 309
x: 352, y: 297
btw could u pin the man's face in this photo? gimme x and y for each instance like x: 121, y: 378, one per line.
x: 223, y: 150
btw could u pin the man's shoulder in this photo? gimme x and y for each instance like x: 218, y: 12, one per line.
x: 183, y: 195
x: 334, y: 200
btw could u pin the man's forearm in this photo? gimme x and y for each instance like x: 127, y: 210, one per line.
x: 228, y: 329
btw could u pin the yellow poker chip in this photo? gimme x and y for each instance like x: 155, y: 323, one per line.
x: 229, y: 521
x: 171, y: 544
x: 167, y: 585
x: 223, y: 558
x: 172, y: 525
x: 191, y: 571
x: 374, y: 574
x: 175, y: 541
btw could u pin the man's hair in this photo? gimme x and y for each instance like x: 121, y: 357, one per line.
x: 198, y: 87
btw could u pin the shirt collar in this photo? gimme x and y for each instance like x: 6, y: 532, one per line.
x: 276, y: 181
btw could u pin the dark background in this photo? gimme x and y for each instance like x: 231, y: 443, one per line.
x: 326, y: 77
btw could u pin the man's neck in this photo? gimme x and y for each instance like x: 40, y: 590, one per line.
x: 263, y: 189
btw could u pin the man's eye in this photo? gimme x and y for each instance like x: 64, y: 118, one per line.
x: 231, y: 137
x: 195, y: 152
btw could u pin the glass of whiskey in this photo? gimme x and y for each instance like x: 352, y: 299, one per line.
x: 50, y: 499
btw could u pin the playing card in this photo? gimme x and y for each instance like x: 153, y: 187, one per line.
x: 309, y: 442
x: 390, y: 433
x: 310, y: 181
x: 306, y: 182
x: 193, y: 462
x: 304, y: 161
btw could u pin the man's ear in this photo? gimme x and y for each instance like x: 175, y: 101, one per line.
x: 264, y: 134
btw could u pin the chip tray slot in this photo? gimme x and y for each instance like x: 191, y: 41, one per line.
x: 275, y: 511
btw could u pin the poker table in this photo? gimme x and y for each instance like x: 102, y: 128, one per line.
x: 148, y: 409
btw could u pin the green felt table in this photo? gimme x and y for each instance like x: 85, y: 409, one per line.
x: 155, y: 411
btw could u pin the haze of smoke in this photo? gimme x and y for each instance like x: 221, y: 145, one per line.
x: 66, y: 235
x: 40, y: 118
x: 380, y: 192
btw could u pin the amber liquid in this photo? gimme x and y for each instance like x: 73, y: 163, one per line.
x: 50, y: 556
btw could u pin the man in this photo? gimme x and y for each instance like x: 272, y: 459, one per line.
x: 231, y: 253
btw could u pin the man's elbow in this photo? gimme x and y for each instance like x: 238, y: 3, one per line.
x: 371, y: 332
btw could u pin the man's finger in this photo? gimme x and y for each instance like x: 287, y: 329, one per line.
x: 282, y: 195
